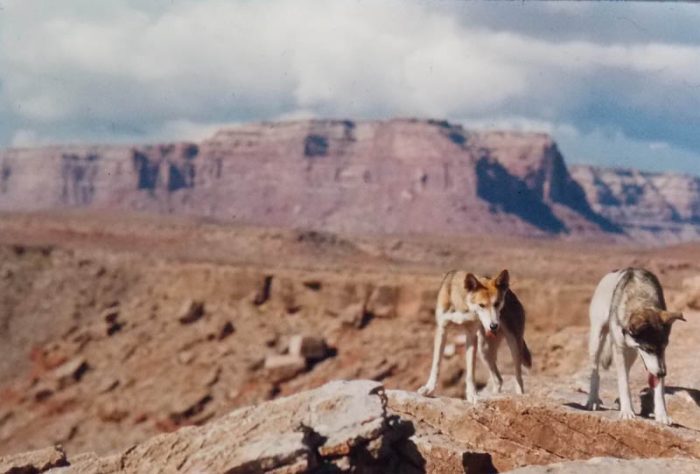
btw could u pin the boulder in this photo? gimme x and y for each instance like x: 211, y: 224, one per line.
x: 191, y: 311
x: 70, y: 372
x: 311, y: 348
x: 520, y: 431
x: 339, y: 426
x: 355, y: 315
x: 382, y: 302
x: 280, y: 368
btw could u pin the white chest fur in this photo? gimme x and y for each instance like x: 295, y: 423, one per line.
x: 456, y: 317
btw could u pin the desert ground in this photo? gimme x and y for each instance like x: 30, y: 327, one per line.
x: 115, y: 328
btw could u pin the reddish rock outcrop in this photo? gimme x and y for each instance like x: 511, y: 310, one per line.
x: 618, y: 466
x: 357, y: 426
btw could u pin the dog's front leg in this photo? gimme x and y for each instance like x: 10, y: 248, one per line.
x: 471, y: 365
x: 438, y: 349
x: 626, y: 412
x: 660, y: 414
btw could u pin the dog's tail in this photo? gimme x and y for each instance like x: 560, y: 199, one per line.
x: 606, y: 353
x: 526, y: 356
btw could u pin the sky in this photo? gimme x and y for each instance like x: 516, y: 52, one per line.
x: 616, y: 84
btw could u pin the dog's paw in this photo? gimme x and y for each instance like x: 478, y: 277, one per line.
x: 426, y: 390
x: 663, y: 418
x: 472, y: 397
x: 594, y: 405
x: 627, y: 415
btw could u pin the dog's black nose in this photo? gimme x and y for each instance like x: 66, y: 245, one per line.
x: 494, y: 327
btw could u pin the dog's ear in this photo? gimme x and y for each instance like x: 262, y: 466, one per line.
x: 668, y: 317
x: 471, y: 283
x: 503, y: 280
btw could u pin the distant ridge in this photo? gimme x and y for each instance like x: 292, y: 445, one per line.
x: 400, y: 176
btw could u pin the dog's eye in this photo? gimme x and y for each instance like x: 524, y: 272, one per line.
x: 482, y: 305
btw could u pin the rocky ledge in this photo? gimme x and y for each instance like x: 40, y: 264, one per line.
x: 358, y: 426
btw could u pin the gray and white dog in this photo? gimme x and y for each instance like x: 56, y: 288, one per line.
x: 628, y: 317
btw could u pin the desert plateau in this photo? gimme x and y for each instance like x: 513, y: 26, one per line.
x: 162, y: 321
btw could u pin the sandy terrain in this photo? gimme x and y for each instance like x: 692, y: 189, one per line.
x: 117, y: 328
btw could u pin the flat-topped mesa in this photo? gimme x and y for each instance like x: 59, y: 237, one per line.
x: 400, y: 176
x: 403, y: 139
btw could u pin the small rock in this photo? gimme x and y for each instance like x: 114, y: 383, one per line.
x: 383, y: 370
x: 111, y: 412
x: 255, y: 364
x: 110, y: 314
x: 185, y: 357
x: 190, y: 405
x: 382, y: 302
x: 191, y: 311
x: 226, y: 330
x: 71, y: 372
x: 140, y: 418
x: 453, y: 375
x: 42, y: 394
x: 107, y: 385
x: 263, y: 293
x: 212, y: 376
x: 280, y: 368
x: 271, y: 340
x: 114, y: 328
x: 309, y: 347
x: 313, y: 285
x: 355, y: 315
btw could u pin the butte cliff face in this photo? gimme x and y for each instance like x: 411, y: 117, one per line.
x: 644, y: 204
x: 395, y: 177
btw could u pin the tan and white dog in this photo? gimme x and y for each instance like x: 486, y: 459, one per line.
x: 490, y: 312
x: 629, y: 317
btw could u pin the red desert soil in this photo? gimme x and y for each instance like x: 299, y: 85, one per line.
x: 117, y: 328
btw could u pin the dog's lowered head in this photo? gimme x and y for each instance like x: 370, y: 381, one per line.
x: 648, y: 330
x: 485, y: 298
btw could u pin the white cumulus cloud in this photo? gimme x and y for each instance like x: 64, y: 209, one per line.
x: 80, y: 70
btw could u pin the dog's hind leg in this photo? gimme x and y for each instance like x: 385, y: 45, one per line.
x: 516, y: 352
x: 488, y: 350
x: 438, y: 349
x: 596, y: 343
x: 470, y: 392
